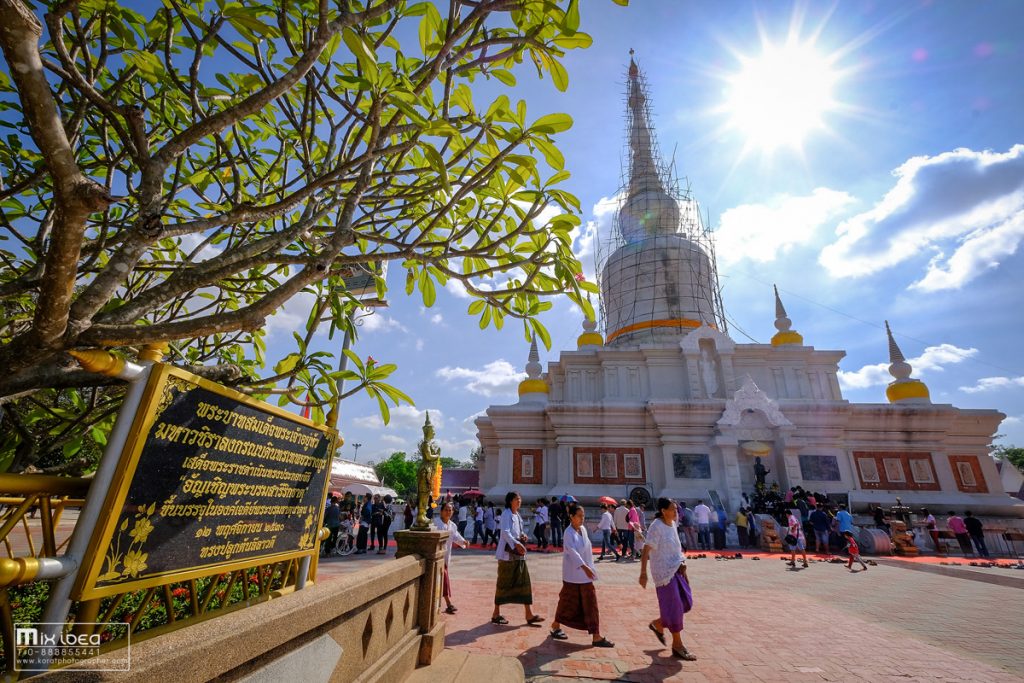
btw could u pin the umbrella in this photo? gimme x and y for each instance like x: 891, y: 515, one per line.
x: 567, y: 499
x: 474, y: 493
x: 607, y: 500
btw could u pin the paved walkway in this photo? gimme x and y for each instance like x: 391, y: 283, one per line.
x: 758, y: 621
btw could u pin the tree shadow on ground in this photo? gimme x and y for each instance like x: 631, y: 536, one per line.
x: 536, y: 658
x: 660, y: 668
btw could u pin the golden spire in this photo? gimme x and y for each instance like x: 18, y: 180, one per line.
x: 590, y: 339
x: 903, y: 389
x: 784, y: 336
x: 533, y: 384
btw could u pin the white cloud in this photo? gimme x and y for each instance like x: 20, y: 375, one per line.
x: 437, y: 319
x: 402, y: 417
x: 965, y: 207
x: 292, y: 316
x: 1012, y: 420
x: 497, y: 377
x: 761, y: 232
x: 378, y: 322
x: 993, y: 384
x: 395, y: 440
x: 934, y: 359
x: 419, y: 344
x: 457, y: 449
x: 587, y: 236
x: 190, y: 242
x: 469, y: 424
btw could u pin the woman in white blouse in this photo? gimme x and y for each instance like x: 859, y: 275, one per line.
x: 664, y: 552
x: 577, y: 601
x: 513, y: 586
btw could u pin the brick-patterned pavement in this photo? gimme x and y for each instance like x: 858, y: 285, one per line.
x: 758, y: 621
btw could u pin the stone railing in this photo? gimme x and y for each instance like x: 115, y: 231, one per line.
x: 378, y: 624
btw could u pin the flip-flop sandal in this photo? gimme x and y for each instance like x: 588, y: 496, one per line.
x: 499, y: 620
x: 684, y: 655
x: 450, y: 609
x: 657, y: 634
x: 559, y: 634
x: 604, y: 642
x: 534, y: 620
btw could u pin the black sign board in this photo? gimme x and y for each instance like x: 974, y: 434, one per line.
x: 210, y: 479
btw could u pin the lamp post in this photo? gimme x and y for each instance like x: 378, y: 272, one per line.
x: 356, y: 456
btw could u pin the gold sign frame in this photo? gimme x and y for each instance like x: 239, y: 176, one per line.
x: 85, y: 587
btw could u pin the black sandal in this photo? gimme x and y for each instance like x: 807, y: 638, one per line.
x: 604, y: 642
x: 500, y: 620
x: 684, y: 654
x: 657, y: 634
x: 535, y: 619
x: 558, y: 634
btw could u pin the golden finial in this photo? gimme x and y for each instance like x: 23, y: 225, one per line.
x: 98, y: 361
x: 153, y: 352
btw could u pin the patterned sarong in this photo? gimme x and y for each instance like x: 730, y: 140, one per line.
x: 577, y: 607
x: 513, y: 586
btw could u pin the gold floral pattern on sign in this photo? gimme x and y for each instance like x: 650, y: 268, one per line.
x: 130, y: 563
x: 173, y: 388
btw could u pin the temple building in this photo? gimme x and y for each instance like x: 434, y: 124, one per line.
x: 666, y: 403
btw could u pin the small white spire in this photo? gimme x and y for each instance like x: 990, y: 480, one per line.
x: 782, y: 321
x: 533, y: 366
x: 898, y: 365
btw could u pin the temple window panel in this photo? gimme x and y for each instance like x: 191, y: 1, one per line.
x: 601, y: 465
x: 967, y: 473
x: 527, y: 466
x: 895, y: 470
x: 691, y: 465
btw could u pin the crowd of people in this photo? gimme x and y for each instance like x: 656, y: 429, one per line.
x: 559, y: 525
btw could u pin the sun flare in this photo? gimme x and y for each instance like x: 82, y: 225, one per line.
x: 780, y: 97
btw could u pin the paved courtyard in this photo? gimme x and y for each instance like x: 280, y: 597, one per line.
x: 757, y: 621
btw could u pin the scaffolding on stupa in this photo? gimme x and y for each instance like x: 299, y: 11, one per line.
x: 640, y: 172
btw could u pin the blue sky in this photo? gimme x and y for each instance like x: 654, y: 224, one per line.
x: 903, y: 199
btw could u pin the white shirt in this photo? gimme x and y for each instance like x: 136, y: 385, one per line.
x: 576, y: 552
x: 702, y: 513
x: 606, y: 523
x: 479, y: 515
x: 666, y: 551
x: 463, y: 511
x: 453, y: 537
x: 511, y: 530
x: 620, y: 517
x: 489, y: 518
x: 795, y: 527
x: 542, y: 514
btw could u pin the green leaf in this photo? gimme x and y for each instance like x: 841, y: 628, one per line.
x: 559, y: 76
x: 436, y: 162
x: 552, y: 123
x: 476, y: 307
x: 572, y: 17
x: 287, y: 364
x: 505, y: 77
x: 552, y: 154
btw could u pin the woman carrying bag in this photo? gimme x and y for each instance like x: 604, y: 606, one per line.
x: 577, y: 601
x: 668, y: 569
x: 513, y: 586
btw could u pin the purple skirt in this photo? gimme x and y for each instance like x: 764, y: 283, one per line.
x: 674, y: 600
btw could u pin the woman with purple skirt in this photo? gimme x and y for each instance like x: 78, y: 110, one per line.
x: 664, y: 552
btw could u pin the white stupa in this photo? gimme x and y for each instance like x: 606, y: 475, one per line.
x: 667, y: 404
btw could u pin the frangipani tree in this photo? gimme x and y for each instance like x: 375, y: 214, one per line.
x: 177, y: 173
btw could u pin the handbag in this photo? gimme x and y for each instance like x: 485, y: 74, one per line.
x: 790, y: 539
